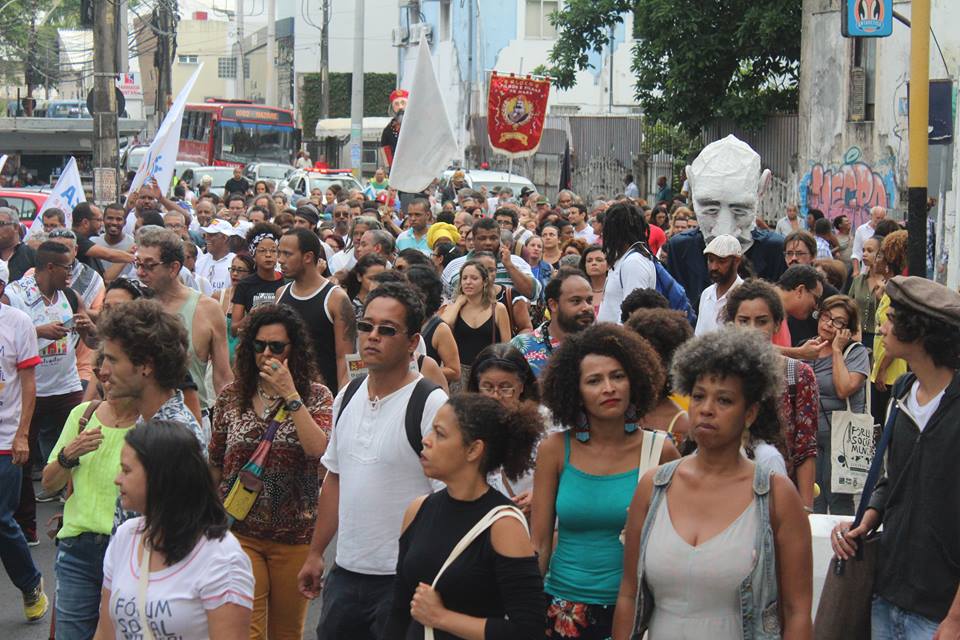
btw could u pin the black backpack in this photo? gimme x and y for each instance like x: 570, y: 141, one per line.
x: 412, y: 418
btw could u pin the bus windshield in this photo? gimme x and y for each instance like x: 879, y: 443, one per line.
x: 247, y: 142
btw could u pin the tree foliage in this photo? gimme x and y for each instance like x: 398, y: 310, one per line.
x: 38, y: 52
x: 694, y: 60
x: 376, y: 96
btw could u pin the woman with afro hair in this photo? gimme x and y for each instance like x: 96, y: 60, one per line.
x: 597, y: 385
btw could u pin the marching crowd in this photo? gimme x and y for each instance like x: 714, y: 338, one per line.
x: 470, y: 415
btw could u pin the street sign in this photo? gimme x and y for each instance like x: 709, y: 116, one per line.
x: 866, y: 18
x: 940, y: 118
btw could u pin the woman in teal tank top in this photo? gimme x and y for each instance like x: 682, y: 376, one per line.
x: 597, y: 383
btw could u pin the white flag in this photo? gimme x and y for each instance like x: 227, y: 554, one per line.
x: 161, y: 158
x: 426, y: 144
x: 66, y: 194
x: 3, y: 162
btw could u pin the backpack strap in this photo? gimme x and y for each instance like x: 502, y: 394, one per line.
x: 414, y: 415
x: 349, y: 391
x: 72, y: 299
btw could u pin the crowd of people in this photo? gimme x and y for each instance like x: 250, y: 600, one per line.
x: 485, y: 415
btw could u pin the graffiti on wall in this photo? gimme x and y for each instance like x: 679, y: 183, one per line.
x: 849, y: 189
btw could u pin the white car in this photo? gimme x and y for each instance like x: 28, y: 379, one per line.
x: 272, y: 172
x: 302, y: 181
x: 219, y: 174
x: 479, y: 178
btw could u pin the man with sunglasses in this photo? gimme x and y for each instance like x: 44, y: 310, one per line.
x: 325, y: 307
x: 19, y: 257
x: 159, y: 262
x: 59, y: 318
x: 373, y: 471
x: 801, y: 289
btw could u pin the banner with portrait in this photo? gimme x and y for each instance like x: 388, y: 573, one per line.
x: 516, y: 112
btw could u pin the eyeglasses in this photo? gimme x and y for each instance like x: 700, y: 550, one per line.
x: 146, y: 266
x: 66, y: 267
x: 384, y: 330
x: 276, y: 347
x: 238, y: 270
x: 62, y: 233
x: 797, y: 254
x: 4, y: 223
x: 837, y: 323
x: 504, y: 390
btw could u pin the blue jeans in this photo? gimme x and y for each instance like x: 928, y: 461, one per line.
x: 890, y: 622
x: 355, y: 605
x: 79, y: 569
x: 14, y: 552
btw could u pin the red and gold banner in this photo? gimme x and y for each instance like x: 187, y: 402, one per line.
x: 516, y: 111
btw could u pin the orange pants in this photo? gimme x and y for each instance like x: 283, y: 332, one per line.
x: 279, y: 611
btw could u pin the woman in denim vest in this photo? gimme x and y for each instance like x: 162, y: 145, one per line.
x: 715, y: 546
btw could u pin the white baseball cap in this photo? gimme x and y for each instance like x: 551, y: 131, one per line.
x: 724, y: 246
x: 220, y: 226
x: 4, y: 272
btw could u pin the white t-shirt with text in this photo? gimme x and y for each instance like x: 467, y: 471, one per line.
x: 215, y: 573
x: 217, y: 272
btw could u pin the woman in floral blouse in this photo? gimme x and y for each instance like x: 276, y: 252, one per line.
x: 756, y: 303
x: 275, y: 366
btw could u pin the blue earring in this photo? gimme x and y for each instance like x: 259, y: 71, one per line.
x: 582, y: 429
x: 630, y: 419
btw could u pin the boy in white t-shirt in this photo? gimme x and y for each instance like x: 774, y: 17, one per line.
x: 18, y: 359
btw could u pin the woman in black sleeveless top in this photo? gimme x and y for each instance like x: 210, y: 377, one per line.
x: 437, y: 335
x: 476, y: 318
x: 493, y: 590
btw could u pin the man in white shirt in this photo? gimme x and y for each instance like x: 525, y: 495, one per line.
x: 577, y: 215
x: 724, y: 254
x: 791, y: 222
x: 18, y: 359
x: 863, y: 233
x: 625, y: 236
x: 214, y: 265
x: 373, y: 472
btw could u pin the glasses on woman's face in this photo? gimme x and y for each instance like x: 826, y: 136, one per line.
x: 276, y: 347
x: 835, y: 322
x: 503, y: 390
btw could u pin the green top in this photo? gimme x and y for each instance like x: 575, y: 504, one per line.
x: 89, y: 509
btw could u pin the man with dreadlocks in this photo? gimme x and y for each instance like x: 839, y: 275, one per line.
x: 625, y: 235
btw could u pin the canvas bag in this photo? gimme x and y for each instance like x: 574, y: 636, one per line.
x: 501, y: 511
x: 851, y: 446
x: 846, y: 599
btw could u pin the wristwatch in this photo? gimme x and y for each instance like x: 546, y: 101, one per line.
x: 65, y: 462
x: 293, y: 405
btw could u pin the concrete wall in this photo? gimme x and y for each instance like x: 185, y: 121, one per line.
x: 209, y: 41
x: 847, y: 167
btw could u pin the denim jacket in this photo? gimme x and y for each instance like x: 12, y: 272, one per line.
x: 759, y: 611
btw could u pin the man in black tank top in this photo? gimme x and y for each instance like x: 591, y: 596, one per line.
x: 324, y: 307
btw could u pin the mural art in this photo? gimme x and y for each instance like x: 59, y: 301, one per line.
x: 849, y: 189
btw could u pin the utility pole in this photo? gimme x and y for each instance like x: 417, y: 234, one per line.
x: 241, y: 76
x: 105, y: 148
x: 30, y: 72
x: 271, y: 79
x: 325, y: 61
x: 919, y: 137
x: 356, y: 95
x: 163, y: 57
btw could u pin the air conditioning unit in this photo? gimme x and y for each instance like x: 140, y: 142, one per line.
x: 421, y: 30
x: 400, y: 36
x: 858, y: 94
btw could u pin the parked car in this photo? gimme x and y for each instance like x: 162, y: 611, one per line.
x: 67, y: 109
x: 133, y: 156
x: 26, y: 202
x: 478, y: 179
x: 302, y: 181
x: 220, y: 176
x: 272, y: 172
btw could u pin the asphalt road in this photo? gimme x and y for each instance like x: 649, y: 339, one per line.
x: 13, y: 626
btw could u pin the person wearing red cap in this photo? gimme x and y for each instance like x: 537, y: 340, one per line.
x: 391, y: 132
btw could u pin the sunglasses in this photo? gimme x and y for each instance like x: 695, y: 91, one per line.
x: 384, y: 330
x: 276, y: 347
x: 62, y: 233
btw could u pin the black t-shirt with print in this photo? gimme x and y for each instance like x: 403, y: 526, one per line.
x: 254, y: 291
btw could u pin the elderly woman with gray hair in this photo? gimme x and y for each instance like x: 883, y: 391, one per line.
x: 698, y: 525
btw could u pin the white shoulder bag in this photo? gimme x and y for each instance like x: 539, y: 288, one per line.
x: 502, y: 511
